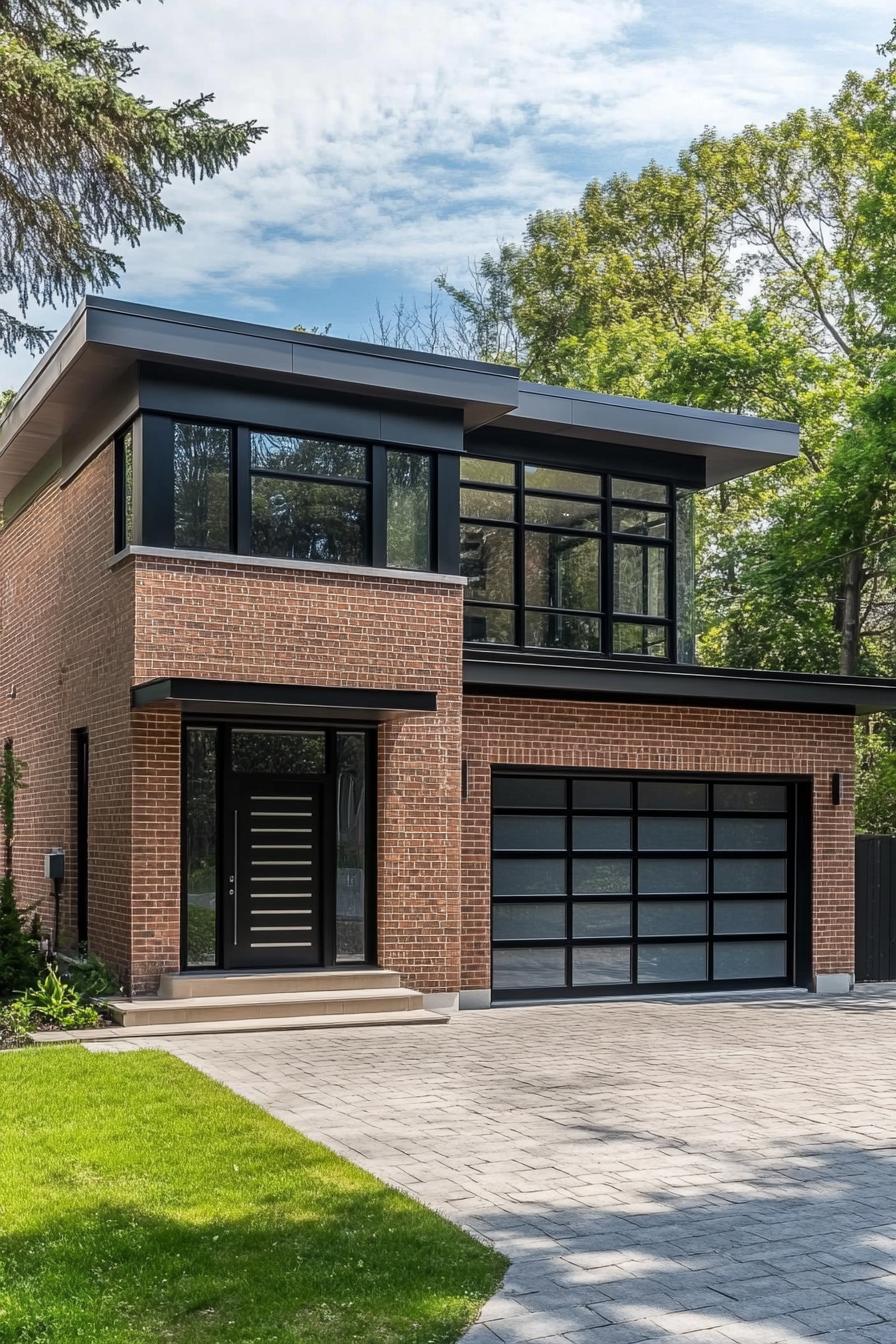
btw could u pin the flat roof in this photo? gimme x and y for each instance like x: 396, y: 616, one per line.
x: 106, y: 337
x: 491, y: 672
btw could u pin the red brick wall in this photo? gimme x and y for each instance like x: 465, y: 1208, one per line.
x: 657, y: 737
x: 252, y: 623
x: 66, y: 651
x: 74, y: 634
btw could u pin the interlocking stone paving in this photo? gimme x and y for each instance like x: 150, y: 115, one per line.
x: 722, y: 1172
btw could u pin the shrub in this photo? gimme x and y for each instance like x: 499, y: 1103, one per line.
x: 19, y: 954
x: 50, y: 1003
x: 91, y: 978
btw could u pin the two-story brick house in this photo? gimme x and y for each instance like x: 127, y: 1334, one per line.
x: 330, y: 657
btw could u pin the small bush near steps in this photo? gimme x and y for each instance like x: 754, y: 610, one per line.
x: 51, y: 1003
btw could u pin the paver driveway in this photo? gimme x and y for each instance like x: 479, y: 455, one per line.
x: 717, y: 1171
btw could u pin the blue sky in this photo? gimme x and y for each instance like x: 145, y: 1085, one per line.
x: 408, y: 136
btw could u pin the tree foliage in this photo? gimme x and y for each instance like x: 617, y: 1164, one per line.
x: 83, y: 161
x: 757, y: 276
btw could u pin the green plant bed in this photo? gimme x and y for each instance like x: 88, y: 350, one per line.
x: 140, y: 1201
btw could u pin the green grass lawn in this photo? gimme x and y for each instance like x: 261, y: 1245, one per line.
x: 139, y: 1200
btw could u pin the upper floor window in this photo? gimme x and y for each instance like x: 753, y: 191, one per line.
x: 202, y: 458
x: 565, y: 559
x: 212, y: 487
x: 124, y: 488
x: 310, y: 498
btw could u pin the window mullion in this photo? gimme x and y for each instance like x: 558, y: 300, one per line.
x: 242, y: 491
x: 378, y: 506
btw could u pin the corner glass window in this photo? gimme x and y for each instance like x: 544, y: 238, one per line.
x: 202, y: 464
x: 551, y: 563
x: 486, y: 471
x: 408, y: 489
x: 124, y: 468
x: 650, y: 491
x: 310, y: 499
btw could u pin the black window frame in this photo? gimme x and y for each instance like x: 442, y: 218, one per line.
x: 153, y: 490
x: 225, y: 784
x: 608, y: 539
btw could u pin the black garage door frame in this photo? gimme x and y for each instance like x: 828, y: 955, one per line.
x: 799, y: 882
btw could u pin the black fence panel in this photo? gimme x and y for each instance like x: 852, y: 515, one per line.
x: 875, y: 907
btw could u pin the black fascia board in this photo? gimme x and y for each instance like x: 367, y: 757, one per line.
x: 489, y: 674
x: 731, y: 445
x: 244, y: 698
x: 504, y: 440
x: 483, y: 391
x: 182, y: 392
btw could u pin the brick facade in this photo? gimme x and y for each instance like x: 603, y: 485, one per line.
x: 251, y: 623
x: 77, y: 632
x: 66, y: 650
x: 659, y: 737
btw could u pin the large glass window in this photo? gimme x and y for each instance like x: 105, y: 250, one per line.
x: 310, y: 498
x: 642, y: 527
x: 202, y: 463
x: 200, y: 845
x: 565, y: 559
x: 408, y: 510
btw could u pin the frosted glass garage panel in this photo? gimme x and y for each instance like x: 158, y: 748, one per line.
x: 664, y: 963
x: 602, y: 794
x: 529, y: 919
x: 750, y: 916
x: 529, y: 877
x: 671, y: 918
x: 528, y: 791
x: 528, y: 967
x: 522, y: 832
x: 672, y: 877
x: 601, y: 966
x: 601, y: 919
x: 750, y: 960
x: 672, y: 795
x: 750, y: 875
x: 750, y: 797
x: 672, y: 833
x: 601, y: 833
x: 750, y: 833
x: 601, y: 877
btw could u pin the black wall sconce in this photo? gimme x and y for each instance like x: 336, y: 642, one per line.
x: 837, y: 788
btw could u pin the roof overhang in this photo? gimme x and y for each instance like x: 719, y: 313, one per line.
x: 489, y: 673
x: 730, y: 445
x: 231, y: 699
x: 106, y: 337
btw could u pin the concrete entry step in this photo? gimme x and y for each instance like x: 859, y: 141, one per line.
x: 155, y: 1010
x: 311, y: 1022
x: 208, y: 984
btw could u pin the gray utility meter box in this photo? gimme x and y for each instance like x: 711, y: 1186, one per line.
x: 54, y: 865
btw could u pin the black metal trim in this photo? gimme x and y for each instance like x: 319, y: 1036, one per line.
x: 210, y: 696
x: 566, y: 676
x: 82, y: 834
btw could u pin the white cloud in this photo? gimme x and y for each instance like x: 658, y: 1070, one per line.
x: 409, y: 135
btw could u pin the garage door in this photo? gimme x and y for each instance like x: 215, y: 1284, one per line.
x: 611, y: 885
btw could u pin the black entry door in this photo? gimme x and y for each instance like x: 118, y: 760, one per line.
x: 275, y: 889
